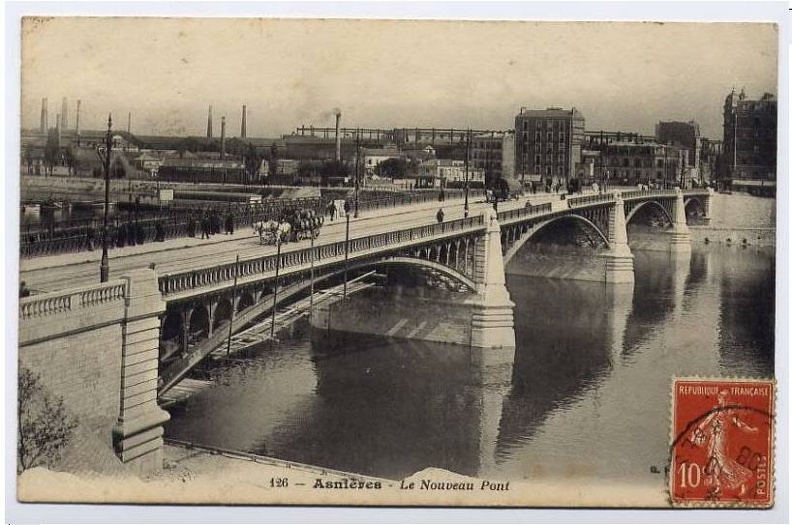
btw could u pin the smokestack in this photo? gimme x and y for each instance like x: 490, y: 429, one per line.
x: 77, y: 122
x: 222, y: 137
x: 209, y: 124
x: 243, y: 132
x: 58, y: 127
x: 44, y: 116
x: 64, y: 114
x: 338, y: 136
x: 129, y: 123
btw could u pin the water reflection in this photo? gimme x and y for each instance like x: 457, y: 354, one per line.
x: 587, y: 395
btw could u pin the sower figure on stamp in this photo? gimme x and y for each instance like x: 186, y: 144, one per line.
x: 722, y: 471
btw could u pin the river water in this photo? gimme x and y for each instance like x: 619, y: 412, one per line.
x: 588, y: 394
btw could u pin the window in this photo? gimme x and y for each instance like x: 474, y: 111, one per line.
x: 560, y: 170
x: 538, y: 136
x: 637, y: 163
x: 525, y: 125
x: 549, y: 170
x: 549, y: 136
x: 549, y: 147
x: 549, y: 159
x: 561, y: 136
x: 538, y: 159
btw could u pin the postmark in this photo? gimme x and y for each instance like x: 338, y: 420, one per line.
x: 722, y: 443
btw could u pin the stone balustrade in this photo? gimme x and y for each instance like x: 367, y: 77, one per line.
x: 55, y: 303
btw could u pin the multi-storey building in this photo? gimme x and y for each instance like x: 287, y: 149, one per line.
x: 749, y: 137
x: 633, y: 162
x: 682, y: 134
x: 493, y: 153
x: 548, y: 143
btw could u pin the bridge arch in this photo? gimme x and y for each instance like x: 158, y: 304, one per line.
x: 525, y: 237
x: 199, y: 323
x: 695, y: 204
x: 222, y: 312
x: 246, y: 299
x: 405, y: 261
x: 648, y: 203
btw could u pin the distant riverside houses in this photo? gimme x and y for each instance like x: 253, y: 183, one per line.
x: 449, y: 173
x: 202, y: 170
x: 372, y: 157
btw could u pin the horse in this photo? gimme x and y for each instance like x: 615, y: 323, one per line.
x: 265, y: 229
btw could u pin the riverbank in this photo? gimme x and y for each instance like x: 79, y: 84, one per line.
x: 210, y: 476
x: 735, y: 236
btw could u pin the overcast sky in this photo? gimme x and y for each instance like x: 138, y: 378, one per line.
x: 622, y: 76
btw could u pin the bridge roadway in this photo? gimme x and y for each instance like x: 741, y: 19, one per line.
x: 51, y: 273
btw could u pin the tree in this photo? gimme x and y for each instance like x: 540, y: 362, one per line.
x: 29, y: 160
x: 52, y: 151
x: 119, y: 167
x: 252, y: 162
x: 70, y: 158
x: 45, y: 427
x: 335, y: 169
x: 272, y: 159
x: 393, y: 168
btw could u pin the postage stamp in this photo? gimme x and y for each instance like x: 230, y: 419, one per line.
x: 722, y: 443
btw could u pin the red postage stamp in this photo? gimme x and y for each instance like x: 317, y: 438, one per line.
x: 722, y: 443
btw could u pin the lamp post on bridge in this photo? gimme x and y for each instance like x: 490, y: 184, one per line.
x: 104, y: 265
x: 467, y: 161
x: 275, y: 292
x: 346, y: 247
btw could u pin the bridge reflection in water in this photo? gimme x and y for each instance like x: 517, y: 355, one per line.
x: 588, y: 395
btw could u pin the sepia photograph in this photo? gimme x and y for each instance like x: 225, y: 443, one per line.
x: 392, y: 262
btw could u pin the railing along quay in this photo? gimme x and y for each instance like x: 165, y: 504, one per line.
x: 170, y: 284
x: 125, y: 229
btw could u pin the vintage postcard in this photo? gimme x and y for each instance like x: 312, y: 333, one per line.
x: 357, y: 262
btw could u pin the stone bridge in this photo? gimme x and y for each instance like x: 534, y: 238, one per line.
x: 128, y: 323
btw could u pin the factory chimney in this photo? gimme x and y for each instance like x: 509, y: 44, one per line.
x: 129, y: 123
x: 243, y: 132
x: 209, y: 124
x: 44, y: 117
x: 77, y: 122
x: 222, y: 138
x: 338, y: 136
x: 58, y: 127
x: 64, y: 114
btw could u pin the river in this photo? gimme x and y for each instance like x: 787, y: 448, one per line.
x: 588, y: 395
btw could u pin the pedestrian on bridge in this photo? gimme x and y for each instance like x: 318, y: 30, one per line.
x: 440, y: 215
x: 331, y: 210
x: 229, y: 224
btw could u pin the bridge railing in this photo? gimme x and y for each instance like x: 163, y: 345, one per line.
x: 589, y: 199
x: 70, y: 300
x: 527, y: 211
x: 224, y: 273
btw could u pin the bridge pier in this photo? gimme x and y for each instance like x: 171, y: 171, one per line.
x: 492, y: 322
x: 680, y: 234
x: 137, y: 434
x: 619, y: 258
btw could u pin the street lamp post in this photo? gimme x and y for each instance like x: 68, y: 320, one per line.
x: 104, y: 265
x: 467, y: 161
x: 357, y: 170
x: 346, y: 248
x: 275, y: 292
x: 310, y: 308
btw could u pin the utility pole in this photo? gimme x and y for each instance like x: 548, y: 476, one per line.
x: 467, y: 162
x: 104, y: 265
x: 357, y: 169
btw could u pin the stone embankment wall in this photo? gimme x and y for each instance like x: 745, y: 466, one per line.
x: 749, y: 236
